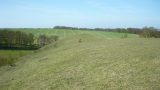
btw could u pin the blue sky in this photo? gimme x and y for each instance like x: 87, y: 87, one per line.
x: 79, y: 13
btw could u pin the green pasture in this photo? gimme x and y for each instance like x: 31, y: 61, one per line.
x: 101, y: 61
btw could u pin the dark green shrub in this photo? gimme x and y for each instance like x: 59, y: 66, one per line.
x: 80, y: 40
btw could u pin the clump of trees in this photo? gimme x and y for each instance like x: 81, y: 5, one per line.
x: 45, y: 40
x: 150, y: 32
x: 16, y: 40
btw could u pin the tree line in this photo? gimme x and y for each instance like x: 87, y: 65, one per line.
x: 16, y: 40
x: 146, y: 32
x: 10, y: 39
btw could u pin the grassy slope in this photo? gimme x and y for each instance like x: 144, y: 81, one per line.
x: 96, y: 63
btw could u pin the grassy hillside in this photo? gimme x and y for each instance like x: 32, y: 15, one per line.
x: 7, y: 56
x: 97, y: 63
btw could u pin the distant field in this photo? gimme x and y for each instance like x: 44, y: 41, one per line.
x: 65, y: 33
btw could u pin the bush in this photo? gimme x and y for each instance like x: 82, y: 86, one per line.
x: 149, y: 32
x: 80, y: 40
x: 45, y: 40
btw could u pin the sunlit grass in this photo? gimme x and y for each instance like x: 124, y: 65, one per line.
x: 94, y: 64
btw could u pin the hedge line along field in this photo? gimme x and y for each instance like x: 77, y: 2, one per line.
x: 95, y: 63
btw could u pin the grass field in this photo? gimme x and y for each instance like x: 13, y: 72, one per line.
x: 102, y: 61
x: 65, y: 33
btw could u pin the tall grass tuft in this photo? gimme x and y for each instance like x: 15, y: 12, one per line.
x: 125, y: 35
x: 7, y: 60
